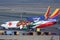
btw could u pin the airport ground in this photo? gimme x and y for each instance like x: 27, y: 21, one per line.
x: 19, y: 37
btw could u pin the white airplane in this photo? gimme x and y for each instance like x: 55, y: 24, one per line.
x: 37, y: 22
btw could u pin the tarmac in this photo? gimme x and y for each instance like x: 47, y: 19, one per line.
x: 19, y: 37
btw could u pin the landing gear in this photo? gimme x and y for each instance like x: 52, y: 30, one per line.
x: 38, y: 29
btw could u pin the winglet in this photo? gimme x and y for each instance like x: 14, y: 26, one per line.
x: 55, y: 13
x: 47, y: 12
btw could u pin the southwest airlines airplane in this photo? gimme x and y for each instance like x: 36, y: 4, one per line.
x: 35, y: 22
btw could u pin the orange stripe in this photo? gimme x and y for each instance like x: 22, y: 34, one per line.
x: 47, y: 12
x: 55, y: 13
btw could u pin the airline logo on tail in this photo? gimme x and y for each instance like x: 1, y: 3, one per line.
x: 55, y: 13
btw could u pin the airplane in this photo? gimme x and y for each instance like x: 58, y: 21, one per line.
x: 35, y: 22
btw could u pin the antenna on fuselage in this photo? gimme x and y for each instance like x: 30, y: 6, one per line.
x: 20, y: 16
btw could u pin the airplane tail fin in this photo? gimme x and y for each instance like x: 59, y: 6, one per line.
x: 54, y: 15
x: 47, y: 12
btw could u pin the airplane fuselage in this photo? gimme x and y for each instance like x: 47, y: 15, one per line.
x: 39, y: 24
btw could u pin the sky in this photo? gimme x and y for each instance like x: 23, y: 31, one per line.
x: 11, y: 4
x: 28, y: 1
